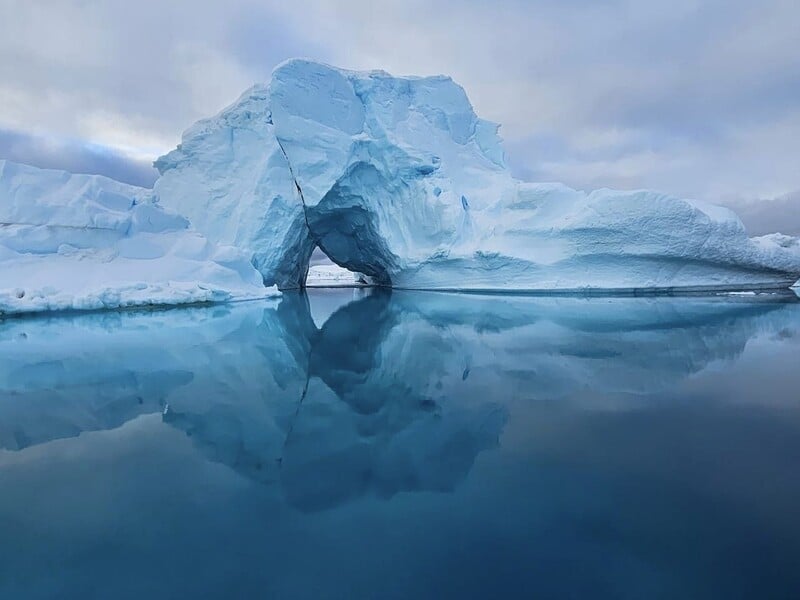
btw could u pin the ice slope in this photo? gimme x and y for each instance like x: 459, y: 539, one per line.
x: 85, y: 242
x: 399, y: 179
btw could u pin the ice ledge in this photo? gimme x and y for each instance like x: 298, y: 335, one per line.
x: 83, y: 242
x: 121, y: 295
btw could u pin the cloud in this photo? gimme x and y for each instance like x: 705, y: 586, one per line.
x: 75, y: 156
x: 698, y: 99
x: 684, y: 96
x: 318, y: 257
x: 767, y: 216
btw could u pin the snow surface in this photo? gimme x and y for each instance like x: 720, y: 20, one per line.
x: 397, y: 178
x: 86, y: 242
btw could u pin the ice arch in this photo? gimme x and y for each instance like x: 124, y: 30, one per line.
x: 399, y: 179
x: 347, y: 231
x: 235, y: 178
x: 343, y: 226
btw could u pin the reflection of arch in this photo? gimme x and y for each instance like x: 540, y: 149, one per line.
x: 395, y: 392
x: 354, y: 424
x: 366, y: 424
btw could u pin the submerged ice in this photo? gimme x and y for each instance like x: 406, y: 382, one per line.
x: 398, y: 179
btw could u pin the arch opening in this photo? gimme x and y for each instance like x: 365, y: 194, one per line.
x: 347, y: 227
x: 322, y: 271
x: 340, y: 240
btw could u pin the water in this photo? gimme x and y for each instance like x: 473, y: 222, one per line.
x: 410, y: 445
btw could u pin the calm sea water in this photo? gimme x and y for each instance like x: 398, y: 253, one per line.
x: 406, y: 445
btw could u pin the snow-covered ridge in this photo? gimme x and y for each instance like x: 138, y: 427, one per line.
x: 399, y: 179
x: 86, y: 242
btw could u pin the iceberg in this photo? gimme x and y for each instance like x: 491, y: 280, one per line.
x: 395, y: 179
x: 87, y: 242
x: 398, y: 178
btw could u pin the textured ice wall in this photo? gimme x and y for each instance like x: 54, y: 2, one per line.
x: 398, y: 178
x: 84, y: 242
x: 230, y: 177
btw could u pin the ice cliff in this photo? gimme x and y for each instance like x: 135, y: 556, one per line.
x: 393, y: 178
x: 84, y: 242
x: 397, y: 178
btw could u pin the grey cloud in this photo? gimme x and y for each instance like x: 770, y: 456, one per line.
x: 131, y: 74
x: 75, y: 157
x: 768, y: 216
x: 695, y: 98
x: 260, y: 41
x: 318, y: 257
x: 681, y: 95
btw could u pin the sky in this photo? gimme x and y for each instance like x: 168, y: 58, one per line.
x: 699, y: 99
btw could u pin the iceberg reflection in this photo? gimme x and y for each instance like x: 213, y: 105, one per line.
x: 396, y: 392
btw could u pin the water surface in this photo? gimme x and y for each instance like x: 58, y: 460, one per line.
x: 406, y: 445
